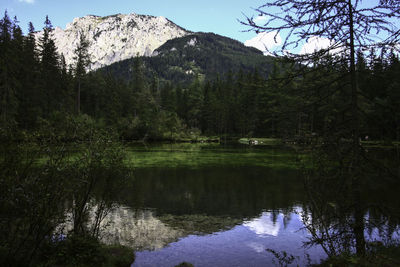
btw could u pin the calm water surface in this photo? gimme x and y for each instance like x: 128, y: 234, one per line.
x: 213, y: 205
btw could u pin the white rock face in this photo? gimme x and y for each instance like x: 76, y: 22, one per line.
x: 192, y: 42
x: 115, y: 38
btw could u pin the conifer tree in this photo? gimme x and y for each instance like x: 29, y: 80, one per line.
x: 195, y: 103
x: 49, y: 59
x: 30, y: 106
x: 208, y: 109
x: 17, y: 63
x: 8, y: 69
x: 82, y: 59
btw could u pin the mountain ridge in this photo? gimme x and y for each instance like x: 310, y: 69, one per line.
x: 115, y: 37
x: 206, y: 55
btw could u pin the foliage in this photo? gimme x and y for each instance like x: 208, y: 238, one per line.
x: 37, y: 196
x: 85, y: 251
x: 100, y: 161
x: 377, y: 255
x: 284, y: 259
x: 32, y: 198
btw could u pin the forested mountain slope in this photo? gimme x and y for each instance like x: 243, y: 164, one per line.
x: 204, y: 55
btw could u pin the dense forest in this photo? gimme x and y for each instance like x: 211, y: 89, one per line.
x: 38, y: 88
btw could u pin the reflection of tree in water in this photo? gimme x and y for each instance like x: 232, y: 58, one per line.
x: 351, y: 207
x: 241, y: 192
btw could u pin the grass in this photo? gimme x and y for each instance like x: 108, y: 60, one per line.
x: 202, y: 155
x: 197, y: 155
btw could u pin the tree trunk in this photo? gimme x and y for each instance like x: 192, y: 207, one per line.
x: 78, y: 98
x: 355, y: 164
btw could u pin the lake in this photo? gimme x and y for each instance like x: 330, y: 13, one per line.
x: 225, y: 205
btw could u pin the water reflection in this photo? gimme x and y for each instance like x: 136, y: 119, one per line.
x: 224, y: 215
x: 243, y: 245
x: 236, y: 192
x: 265, y: 225
x: 138, y: 229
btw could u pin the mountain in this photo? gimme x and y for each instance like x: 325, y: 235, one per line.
x: 198, y: 54
x: 115, y: 38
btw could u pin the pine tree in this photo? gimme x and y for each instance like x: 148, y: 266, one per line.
x: 18, y: 63
x: 208, y: 109
x: 82, y: 59
x: 195, y: 102
x: 168, y: 98
x: 51, y: 96
x: 8, y: 72
x: 30, y: 107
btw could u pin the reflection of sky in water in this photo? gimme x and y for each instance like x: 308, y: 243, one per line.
x: 162, y: 244
x: 244, y: 245
x: 263, y: 225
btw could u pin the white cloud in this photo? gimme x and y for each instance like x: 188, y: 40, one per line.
x: 316, y: 43
x: 261, y: 19
x: 265, y: 42
x: 27, y: 1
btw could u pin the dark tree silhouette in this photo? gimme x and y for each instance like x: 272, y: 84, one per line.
x: 82, y: 59
x: 350, y: 26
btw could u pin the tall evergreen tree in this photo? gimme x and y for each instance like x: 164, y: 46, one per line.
x: 8, y: 72
x: 82, y: 59
x: 30, y: 106
x: 18, y: 62
x: 49, y: 70
x: 195, y: 102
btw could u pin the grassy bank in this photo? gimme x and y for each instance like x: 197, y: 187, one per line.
x: 378, y: 255
x: 208, y: 154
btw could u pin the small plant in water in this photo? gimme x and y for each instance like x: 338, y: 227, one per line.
x: 284, y: 259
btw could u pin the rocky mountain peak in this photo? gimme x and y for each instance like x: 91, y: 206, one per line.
x: 116, y: 37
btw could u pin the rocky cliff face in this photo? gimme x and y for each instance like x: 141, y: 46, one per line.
x: 115, y: 38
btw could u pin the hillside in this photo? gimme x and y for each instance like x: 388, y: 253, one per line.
x: 199, y: 54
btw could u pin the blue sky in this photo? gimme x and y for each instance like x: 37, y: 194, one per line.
x: 218, y: 16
